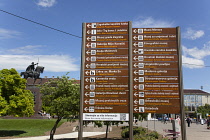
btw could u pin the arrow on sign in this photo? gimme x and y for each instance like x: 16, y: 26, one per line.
x: 135, y: 72
x: 136, y: 87
x: 87, y: 72
x: 88, y: 25
x: 87, y: 52
x: 135, y: 65
x: 135, y: 51
x: 88, y: 58
x: 86, y: 109
x: 88, y: 45
x: 86, y: 101
x: 135, y: 79
x: 135, y: 58
x: 88, y: 38
x: 88, y: 31
x: 135, y: 37
x: 87, y: 87
x: 136, y: 101
x: 87, y: 79
x: 87, y: 66
x: 86, y: 94
x: 135, y: 31
x: 135, y: 44
x: 136, y: 94
x: 136, y: 109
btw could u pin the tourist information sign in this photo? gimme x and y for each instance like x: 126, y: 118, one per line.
x: 106, y: 68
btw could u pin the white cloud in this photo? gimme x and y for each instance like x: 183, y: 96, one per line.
x: 29, y: 49
x: 192, y: 62
x: 46, y: 3
x: 7, y: 34
x: 52, y: 63
x: 193, y: 34
x: 198, y: 53
x: 149, y: 22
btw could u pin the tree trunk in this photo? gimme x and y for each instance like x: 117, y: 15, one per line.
x: 52, y: 132
x: 107, y: 128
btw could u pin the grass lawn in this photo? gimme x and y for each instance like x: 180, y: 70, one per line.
x: 25, y: 127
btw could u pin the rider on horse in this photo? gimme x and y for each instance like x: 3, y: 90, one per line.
x: 31, y: 67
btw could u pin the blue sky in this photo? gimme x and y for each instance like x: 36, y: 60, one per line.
x: 23, y: 42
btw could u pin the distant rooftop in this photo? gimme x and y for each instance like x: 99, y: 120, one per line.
x: 195, y: 91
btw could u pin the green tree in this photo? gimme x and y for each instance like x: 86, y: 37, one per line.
x: 14, y: 98
x: 204, y: 110
x: 60, y: 97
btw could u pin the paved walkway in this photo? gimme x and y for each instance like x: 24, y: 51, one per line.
x: 194, y: 132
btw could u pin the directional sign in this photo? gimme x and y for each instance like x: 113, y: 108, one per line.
x: 106, y: 58
x: 154, y: 44
x: 107, y: 45
x: 148, y: 79
x: 155, y: 58
x: 154, y: 37
x: 106, y: 80
x: 106, y: 31
x: 107, y: 25
x: 155, y: 51
x: 111, y: 72
x: 156, y: 101
x: 156, y: 94
x: 93, y: 52
x: 156, y: 87
x: 156, y: 65
x: 105, y: 109
x: 111, y: 65
x: 154, y: 30
x: 107, y: 38
x: 157, y: 109
x: 106, y: 101
x: 102, y: 87
x: 106, y: 94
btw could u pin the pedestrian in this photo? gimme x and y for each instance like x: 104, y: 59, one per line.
x: 188, y: 121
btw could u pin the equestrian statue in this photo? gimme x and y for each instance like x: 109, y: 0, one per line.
x: 33, y: 72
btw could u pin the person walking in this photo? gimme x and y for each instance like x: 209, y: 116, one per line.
x: 188, y: 121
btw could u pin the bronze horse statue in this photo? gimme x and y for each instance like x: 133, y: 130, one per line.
x: 30, y: 72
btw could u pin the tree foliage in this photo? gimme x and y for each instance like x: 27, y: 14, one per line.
x: 204, y: 110
x: 14, y: 98
x: 60, y: 97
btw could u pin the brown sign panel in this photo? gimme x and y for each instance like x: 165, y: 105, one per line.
x: 106, y: 94
x: 105, y: 109
x: 156, y: 94
x: 107, y: 25
x: 156, y: 102
x: 106, y: 31
x: 156, y: 65
x: 155, y: 51
x: 111, y: 65
x: 106, y: 101
x: 106, y: 45
x: 153, y: 79
x: 93, y: 52
x: 157, y: 87
x: 102, y: 87
x: 154, y: 30
x: 106, y: 58
x: 155, y: 72
x: 154, y: 37
x: 155, y: 58
x: 107, y: 38
x: 106, y: 80
x: 157, y: 109
x: 154, y: 44
x: 111, y: 72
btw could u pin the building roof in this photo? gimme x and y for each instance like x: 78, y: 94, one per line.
x: 195, y: 91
